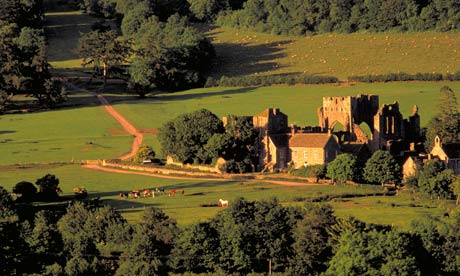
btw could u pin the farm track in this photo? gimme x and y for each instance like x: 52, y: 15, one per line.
x: 127, y: 126
x: 137, y: 141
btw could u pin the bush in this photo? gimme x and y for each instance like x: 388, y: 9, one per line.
x: 26, y: 189
x: 48, y: 185
x: 313, y: 171
x: 144, y: 153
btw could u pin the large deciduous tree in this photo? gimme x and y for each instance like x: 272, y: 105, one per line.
x: 48, y: 185
x: 382, y: 168
x: 186, y: 135
x: 104, y: 49
x: 26, y: 189
x: 312, y: 241
x: 343, y: 168
x: 150, y: 246
x: 435, y: 180
x: 374, y: 253
x: 169, y: 56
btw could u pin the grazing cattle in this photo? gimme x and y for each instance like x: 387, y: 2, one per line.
x: 123, y: 195
x: 146, y: 193
x: 181, y: 191
x: 223, y: 203
x: 134, y: 194
x: 172, y: 193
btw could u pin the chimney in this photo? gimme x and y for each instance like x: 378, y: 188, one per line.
x: 293, y: 129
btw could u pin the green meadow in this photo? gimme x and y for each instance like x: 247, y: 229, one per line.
x: 80, y: 130
x: 186, y: 208
x: 61, y: 136
x: 89, y: 133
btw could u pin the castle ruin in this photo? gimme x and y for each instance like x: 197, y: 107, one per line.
x: 386, y: 124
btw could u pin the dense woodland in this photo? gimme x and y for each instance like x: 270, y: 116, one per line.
x: 162, y: 51
x: 24, y: 68
x: 244, y: 238
x: 321, y: 16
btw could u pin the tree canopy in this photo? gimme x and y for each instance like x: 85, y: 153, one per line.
x: 382, y: 168
x: 299, y: 17
x: 103, y: 48
x: 185, y: 136
x: 344, y: 167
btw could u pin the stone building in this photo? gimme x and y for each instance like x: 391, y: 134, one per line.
x: 279, y: 144
x: 313, y: 148
x: 272, y: 126
x: 386, y: 124
x: 449, y: 153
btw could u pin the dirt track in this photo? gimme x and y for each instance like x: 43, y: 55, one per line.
x: 137, y: 141
x: 127, y: 126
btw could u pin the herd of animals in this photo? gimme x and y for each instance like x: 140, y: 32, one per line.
x: 134, y: 194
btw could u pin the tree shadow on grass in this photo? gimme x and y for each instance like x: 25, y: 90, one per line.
x: 235, y: 59
x: 7, y: 131
x: 128, y: 205
x: 182, y: 97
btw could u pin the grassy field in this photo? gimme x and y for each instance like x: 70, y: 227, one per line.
x: 186, y: 208
x: 61, y: 136
x: 89, y: 133
x: 299, y: 102
x: 242, y: 52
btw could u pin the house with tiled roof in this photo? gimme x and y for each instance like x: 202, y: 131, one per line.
x: 449, y: 153
x: 313, y: 148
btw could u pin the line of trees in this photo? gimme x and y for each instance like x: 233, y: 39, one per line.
x: 24, y: 68
x: 299, y: 17
x: 247, y: 237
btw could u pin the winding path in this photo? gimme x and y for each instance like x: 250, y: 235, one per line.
x: 137, y: 141
x: 127, y: 126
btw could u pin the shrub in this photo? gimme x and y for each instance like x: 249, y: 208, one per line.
x: 313, y: 171
x: 144, y: 153
x: 26, y: 189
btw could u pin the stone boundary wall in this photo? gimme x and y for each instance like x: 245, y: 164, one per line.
x: 215, y: 169
x: 107, y: 163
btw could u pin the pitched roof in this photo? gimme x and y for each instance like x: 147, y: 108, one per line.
x: 309, y: 140
x: 452, y: 150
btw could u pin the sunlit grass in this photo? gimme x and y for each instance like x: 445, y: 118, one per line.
x: 243, y: 52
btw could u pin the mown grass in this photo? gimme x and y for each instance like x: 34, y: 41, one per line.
x: 186, y: 208
x: 61, y: 136
x: 243, y: 52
